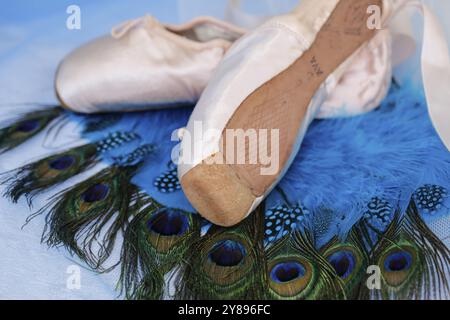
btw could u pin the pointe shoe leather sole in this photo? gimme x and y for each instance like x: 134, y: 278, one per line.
x: 224, y: 194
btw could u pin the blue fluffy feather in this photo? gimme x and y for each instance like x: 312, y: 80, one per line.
x: 387, y: 153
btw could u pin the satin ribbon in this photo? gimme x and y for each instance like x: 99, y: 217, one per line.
x: 435, y: 66
x: 436, y: 73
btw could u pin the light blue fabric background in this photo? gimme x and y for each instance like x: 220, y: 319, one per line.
x: 33, y: 39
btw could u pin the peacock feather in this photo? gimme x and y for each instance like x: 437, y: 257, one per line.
x: 26, y: 127
x: 296, y: 270
x: 349, y: 261
x: 36, y: 177
x: 76, y: 218
x: 414, y: 263
x: 87, y: 217
x: 151, y: 287
x: 155, y: 242
x: 226, y: 263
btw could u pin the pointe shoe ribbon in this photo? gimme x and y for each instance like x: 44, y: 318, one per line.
x: 436, y: 73
x: 435, y: 66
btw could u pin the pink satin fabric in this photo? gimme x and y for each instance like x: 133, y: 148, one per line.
x: 144, y: 65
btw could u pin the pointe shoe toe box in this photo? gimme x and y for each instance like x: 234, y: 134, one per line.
x: 218, y: 194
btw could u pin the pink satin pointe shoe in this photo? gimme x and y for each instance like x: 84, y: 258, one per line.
x: 251, y: 119
x: 144, y: 64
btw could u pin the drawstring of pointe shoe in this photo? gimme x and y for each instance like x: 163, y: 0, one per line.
x: 435, y: 67
x: 122, y: 29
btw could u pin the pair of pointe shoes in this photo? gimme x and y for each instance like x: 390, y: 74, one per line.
x: 321, y: 60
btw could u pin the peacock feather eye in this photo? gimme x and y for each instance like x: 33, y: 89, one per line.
x: 287, y: 271
x: 95, y: 193
x: 348, y: 262
x: 397, y: 264
x: 166, y: 228
x: 27, y: 126
x: 62, y: 163
x: 227, y: 253
x: 168, y: 222
x: 343, y: 262
x: 225, y: 260
x: 290, y: 278
x: 398, y: 261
